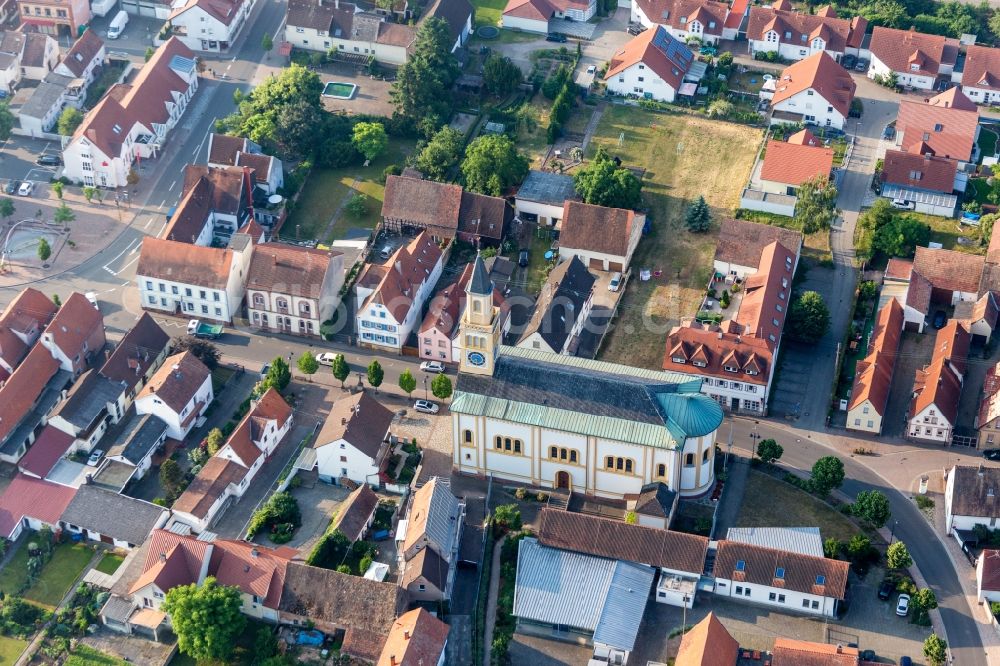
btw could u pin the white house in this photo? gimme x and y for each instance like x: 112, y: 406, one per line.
x: 651, y: 65
x: 75, y: 336
x: 937, y: 387
x: 988, y: 575
x: 542, y: 197
x: 704, y: 20
x: 602, y: 238
x: 801, y: 583
x: 815, y: 91
x: 192, y: 280
x: 534, y: 15
x: 917, y: 59
x: 795, y: 35
x: 980, y: 78
x: 132, y: 120
x: 354, y: 441
x: 970, y: 499
x: 561, y: 310
x: 208, y: 25
x: 178, y: 393
x: 83, y: 58
x: 40, y: 55
x: 293, y: 289
x: 390, y: 297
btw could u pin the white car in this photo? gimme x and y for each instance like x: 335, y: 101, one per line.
x: 91, y: 296
x: 95, y: 457
x: 26, y: 189
x: 426, y: 407
x: 432, y: 366
x: 902, y: 204
x: 903, y: 605
x: 592, y: 69
x: 616, y: 282
x: 326, y: 358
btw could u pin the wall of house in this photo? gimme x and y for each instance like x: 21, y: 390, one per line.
x: 376, y: 327
x: 435, y: 345
x: 151, y: 404
x: 814, y: 108
x: 194, y: 301
x: 49, y: 61
x: 282, y: 312
x: 984, y: 595
x: 770, y: 596
x: 921, y: 82
x: 525, y: 24
x: 422, y: 589
x: 641, y: 81
x: 200, y: 31
x: 339, y: 459
x: 928, y: 425
x: 548, y: 214
x: 789, y: 50
x: 981, y: 95
x: 989, y: 434
x: 864, y: 418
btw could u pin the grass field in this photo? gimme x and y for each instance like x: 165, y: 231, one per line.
x: 68, y: 561
x: 987, y: 143
x: 109, y: 563
x: 815, y: 246
x: 87, y: 656
x: 488, y: 12
x: 684, y: 156
x: 11, y: 649
x: 326, y: 191
x: 798, y: 509
x: 947, y: 231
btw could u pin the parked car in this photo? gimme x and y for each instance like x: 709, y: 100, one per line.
x: 26, y: 188
x: 905, y: 661
x: 555, y: 37
x: 635, y: 30
x: 426, y: 407
x: 862, y: 65
x: 522, y: 259
x: 940, y: 319
x: 326, y: 358
x: 902, y: 204
x: 867, y: 655
x: 592, y: 69
x: 848, y: 61
x: 48, y: 160
x: 385, y: 252
x: 889, y: 132
x: 616, y: 282
x: 886, y: 589
x: 903, y: 605
x: 264, y: 369
x: 91, y: 296
x: 95, y: 457
x: 991, y: 454
x: 432, y: 366
x: 12, y: 186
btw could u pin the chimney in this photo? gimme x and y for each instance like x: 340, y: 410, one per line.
x: 343, y: 420
x: 406, y: 634
x: 392, y: 660
x: 840, y: 649
x: 163, y: 557
x: 254, y: 553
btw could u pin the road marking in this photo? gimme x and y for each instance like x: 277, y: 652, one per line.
x: 148, y: 222
x: 120, y: 270
x: 197, y: 150
x: 107, y: 266
x: 172, y: 185
x: 162, y: 204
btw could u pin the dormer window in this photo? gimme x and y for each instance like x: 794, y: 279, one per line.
x: 915, y: 175
x: 779, y: 573
x: 699, y: 364
x: 741, y: 565
x: 711, y: 25
x: 730, y: 368
x: 914, y: 67
x: 820, y: 580
x: 788, y: 34
x: 117, y: 129
x: 684, y: 20
x: 678, y: 359
x: 751, y: 372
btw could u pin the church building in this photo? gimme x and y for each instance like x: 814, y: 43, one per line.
x: 562, y: 422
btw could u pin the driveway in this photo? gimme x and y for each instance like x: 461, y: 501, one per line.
x: 915, y: 351
x: 318, y: 505
x: 609, y: 36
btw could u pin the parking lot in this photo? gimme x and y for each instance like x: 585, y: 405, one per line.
x: 17, y: 160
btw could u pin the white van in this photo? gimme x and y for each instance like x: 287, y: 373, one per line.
x: 117, y: 25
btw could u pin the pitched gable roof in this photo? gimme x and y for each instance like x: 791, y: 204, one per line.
x: 873, y: 377
x: 136, y: 352
x: 899, y: 49
x: 839, y: 33
x: 270, y: 407
x: 560, y: 304
x: 741, y: 242
x: 982, y: 67
x: 921, y: 172
x: 949, y: 269
x: 23, y: 318
x: 23, y: 388
x: 360, y: 420
x: 35, y: 498
x: 794, y: 164
x: 416, y: 638
x: 73, y: 326
x: 670, y: 13
x: 802, y: 573
x: 821, y: 73
x: 177, y: 381
x: 352, y: 517
x: 208, y: 486
x: 83, y: 52
x: 708, y: 643
x: 596, y: 228
x: 976, y: 491
x: 289, y: 269
x: 658, y: 50
x: 185, y: 263
x: 433, y: 517
x: 395, y: 283
x: 425, y: 202
x: 949, y: 131
x: 791, y: 652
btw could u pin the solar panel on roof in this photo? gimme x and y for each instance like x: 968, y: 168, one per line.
x: 674, y: 50
x: 182, y: 64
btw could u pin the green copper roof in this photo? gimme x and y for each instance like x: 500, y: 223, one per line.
x: 695, y: 414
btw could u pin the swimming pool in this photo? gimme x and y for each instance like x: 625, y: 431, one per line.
x: 339, y: 90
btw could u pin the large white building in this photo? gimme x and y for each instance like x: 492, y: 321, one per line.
x: 815, y: 91
x: 209, y: 25
x: 177, y: 394
x: 568, y: 423
x: 653, y: 65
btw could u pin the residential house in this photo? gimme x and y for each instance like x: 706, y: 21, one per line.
x: 988, y: 576
x: 355, y: 516
x: 413, y: 203
x: 499, y: 430
x: 208, y: 25
x: 84, y: 413
x: 292, y: 289
x: 40, y: 112
x: 707, y: 643
x: 21, y: 325
x: 391, y: 297
x: 428, y: 544
x: 980, y: 78
x: 600, y: 237
x: 970, y: 499
x: 11, y: 48
x: 679, y: 558
x: 654, y: 506
x: 918, y: 60
x: 814, y: 91
x: 87, y: 54
x: 791, y: 651
x: 137, y: 442
x: 228, y: 474
x: 911, y: 289
x: 27, y: 397
x: 937, y: 387
x: 354, y: 441
x: 40, y: 55
x: 599, y: 602
x: 780, y: 578
x: 483, y: 220
x: 922, y: 178
x: 269, y: 172
x: 46, y: 451
x: 873, y: 374
x: 704, y: 20
x: 215, y: 203
x: 542, y: 197
x: 139, y: 354
x: 194, y: 280
x: 652, y: 65
x: 954, y: 276
x: 32, y: 503
x: 979, y: 317
x: 947, y: 125
x: 561, y: 310
x: 776, y: 179
x: 988, y: 416
x: 534, y: 15
x: 416, y: 638
x: 108, y: 517
x: 132, y: 120
x: 75, y: 336
x: 796, y: 35
x: 178, y: 393
x: 57, y: 18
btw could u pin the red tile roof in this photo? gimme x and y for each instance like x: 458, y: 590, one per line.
x: 224, y: 11
x: 899, y: 49
x: 922, y: 172
x: 937, y: 385
x: 717, y: 350
x: 77, y: 328
x: 899, y: 269
x: 27, y: 315
x: 949, y: 131
x: 416, y: 638
x: 184, y: 263
x: 35, y: 498
x: 658, y: 50
x: 790, y: 652
x: 177, y: 381
x: 821, y: 73
x: 989, y: 407
x: 982, y: 68
x: 43, y: 455
x: 670, y: 12
x: 736, y: 13
x: 24, y: 387
x: 952, y: 343
x: 352, y: 516
x: 758, y: 314
x: 208, y: 486
x: 794, y: 164
x: 991, y: 570
x: 360, y: 420
x: 873, y: 376
x: 541, y: 10
x: 279, y: 268
x: 949, y: 269
x: 446, y: 307
x: 596, y: 228
x: 397, y: 281
x: 423, y: 202
x: 953, y: 98
x: 741, y: 242
x: 801, y: 571
x: 837, y: 32
x: 708, y: 643
x: 136, y: 352
x: 243, y: 441
x: 83, y: 52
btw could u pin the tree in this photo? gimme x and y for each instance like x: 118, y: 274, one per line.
x: 872, y: 506
x: 817, y: 204
x: 278, y: 376
x: 214, y: 441
x: 340, y: 369
x: 827, y: 474
x: 984, y: 232
x: 171, y: 477
x: 57, y: 300
x: 831, y: 548
x: 441, y: 387
x: 923, y: 601
x: 203, y: 350
x: 57, y: 189
x: 44, y: 249
x: 357, y: 205
x: 769, y: 450
x: 375, y: 374
x: 370, y: 139
x: 858, y: 547
x: 720, y: 108
x: 206, y: 618
x: 63, y: 214
x: 897, y: 556
x: 89, y: 193
x: 308, y: 365
x: 901, y: 236
x: 492, y: 164
x: 407, y: 382
x: 507, y: 517
x: 808, y: 317
x: 889, y: 13
x: 604, y: 183
x: 500, y: 75
x: 6, y: 207
x: 69, y: 120
x: 936, y: 649
x: 267, y: 43
x: 149, y: 53
x: 7, y: 121
x: 698, y: 218
x: 441, y: 154
x: 420, y: 93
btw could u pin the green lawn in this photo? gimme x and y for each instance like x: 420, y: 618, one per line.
x: 11, y: 649
x: 977, y: 190
x: 947, y: 231
x: 765, y: 494
x: 326, y: 191
x: 220, y: 377
x: 15, y: 572
x: 109, y: 563
x: 987, y: 143
x: 84, y: 655
x: 488, y: 12
x: 814, y: 246
x: 68, y: 561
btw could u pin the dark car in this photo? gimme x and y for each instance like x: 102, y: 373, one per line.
x: 555, y: 37
x: 940, y: 318
x: 862, y: 65
x: 12, y: 186
x: 522, y: 259
x: 867, y: 655
x: 48, y: 160
x: 991, y: 454
x: 905, y: 661
x: 848, y: 61
x: 889, y: 132
x: 886, y: 589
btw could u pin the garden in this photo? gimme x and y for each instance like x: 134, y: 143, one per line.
x: 279, y: 517
x: 43, y: 570
x: 335, y: 551
x: 402, y: 466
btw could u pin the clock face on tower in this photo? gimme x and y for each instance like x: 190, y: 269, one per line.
x: 476, y: 358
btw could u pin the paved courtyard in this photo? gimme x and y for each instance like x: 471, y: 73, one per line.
x: 915, y: 351
x: 318, y: 505
x: 371, y: 96
x: 134, y: 649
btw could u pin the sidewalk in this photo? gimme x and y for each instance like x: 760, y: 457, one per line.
x: 491, y: 602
